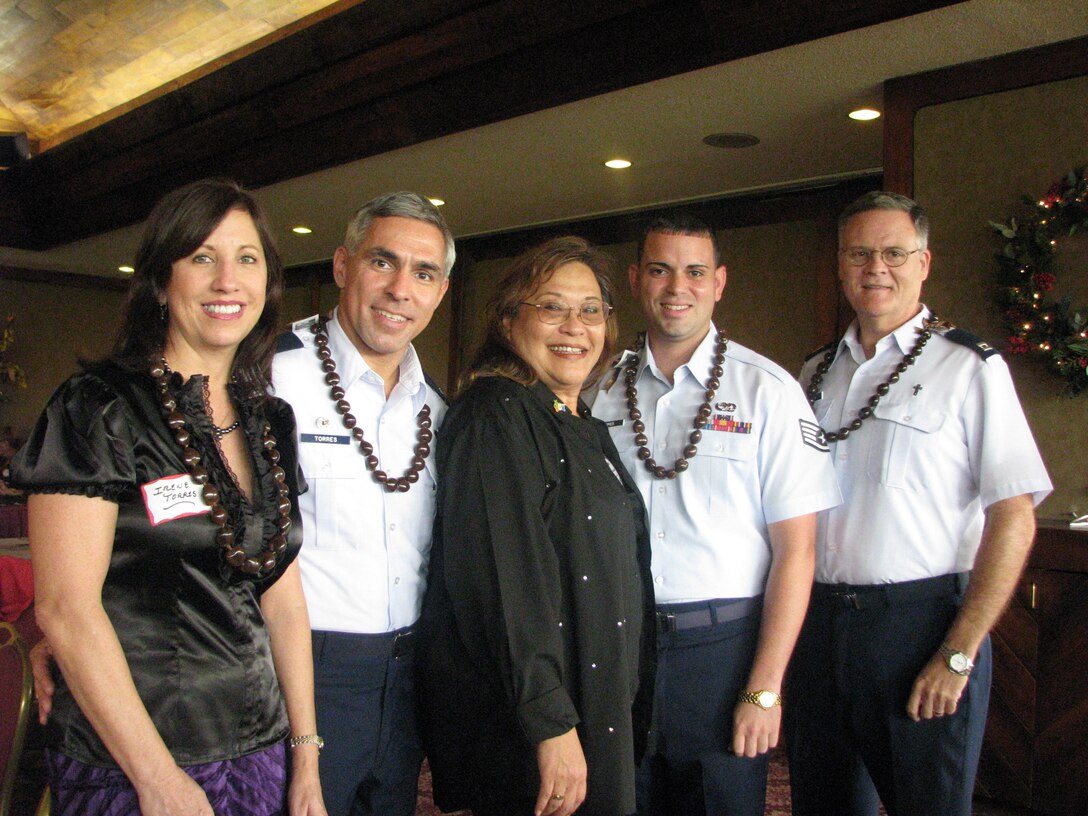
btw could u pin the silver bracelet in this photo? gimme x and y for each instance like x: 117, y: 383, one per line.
x: 295, y: 742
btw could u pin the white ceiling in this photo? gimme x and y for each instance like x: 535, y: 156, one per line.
x: 547, y: 166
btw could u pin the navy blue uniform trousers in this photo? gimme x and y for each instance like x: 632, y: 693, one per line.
x: 365, y: 696
x: 847, y: 729
x: 690, y: 768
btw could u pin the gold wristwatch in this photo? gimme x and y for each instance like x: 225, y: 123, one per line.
x: 764, y: 699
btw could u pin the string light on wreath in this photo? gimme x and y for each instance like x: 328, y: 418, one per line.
x: 1040, y: 321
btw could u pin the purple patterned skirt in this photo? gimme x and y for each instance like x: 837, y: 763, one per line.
x: 252, y: 785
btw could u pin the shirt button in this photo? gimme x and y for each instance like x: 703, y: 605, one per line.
x: 396, y: 581
x: 660, y: 533
x: 661, y: 445
x: 393, y: 526
x: 661, y: 489
x: 659, y: 579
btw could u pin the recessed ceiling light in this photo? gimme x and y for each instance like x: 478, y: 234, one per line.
x: 301, y: 230
x: 733, y: 141
x: 864, y: 114
x: 617, y: 164
x: 128, y: 270
x: 438, y: 202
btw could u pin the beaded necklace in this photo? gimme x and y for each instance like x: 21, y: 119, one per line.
x: 265, y: 561
x: 630, y: 374
x: 422, y: 449
x: 221, y: 432
x: 813, y: 391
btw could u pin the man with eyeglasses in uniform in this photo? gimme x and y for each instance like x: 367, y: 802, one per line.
x: 726, y: 454
x: 889, y: 683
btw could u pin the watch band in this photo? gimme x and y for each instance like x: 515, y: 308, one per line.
x: 763, y: 698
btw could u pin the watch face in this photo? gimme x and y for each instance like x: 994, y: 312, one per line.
x: 767, y: 699
x: 958, y: 662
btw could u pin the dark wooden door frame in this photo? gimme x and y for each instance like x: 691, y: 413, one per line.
x: 905, y: 96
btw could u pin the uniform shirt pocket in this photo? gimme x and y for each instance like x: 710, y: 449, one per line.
x: 332, y: 472
x: 905, y: 436
x: 726, y: 457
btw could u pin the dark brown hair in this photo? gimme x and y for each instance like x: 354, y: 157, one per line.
x: 496, y: 356
x: 178, y: 224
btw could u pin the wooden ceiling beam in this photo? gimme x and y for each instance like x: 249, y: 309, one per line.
x: 386, y: 74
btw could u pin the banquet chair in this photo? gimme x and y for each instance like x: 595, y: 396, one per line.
x: 16, y: 689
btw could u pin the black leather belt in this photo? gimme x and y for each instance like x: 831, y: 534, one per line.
x: 882, y: 596
x: 398, y: 644
x: 692, y: 615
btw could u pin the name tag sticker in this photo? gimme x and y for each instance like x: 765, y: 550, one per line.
x: 173, y: 497
x: 326, y: 439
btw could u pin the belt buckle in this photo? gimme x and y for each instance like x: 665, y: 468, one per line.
x: 401, y: 644
x: 666, y: 622
x: 849, y: 599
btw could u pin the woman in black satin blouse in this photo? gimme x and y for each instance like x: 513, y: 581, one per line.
x: 163, y: 532
x: 535, y: 633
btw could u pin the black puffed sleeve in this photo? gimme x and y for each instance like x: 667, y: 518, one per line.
x: 82, y: 444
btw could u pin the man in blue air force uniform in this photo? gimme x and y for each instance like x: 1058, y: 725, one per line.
x: 366, y: 417
x: 728, y: 459
x: 939, y: 475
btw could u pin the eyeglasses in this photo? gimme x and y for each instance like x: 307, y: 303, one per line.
x: 555, y: 313
x: 892, y: 256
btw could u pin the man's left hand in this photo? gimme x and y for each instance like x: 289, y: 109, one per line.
x: 936, y: 691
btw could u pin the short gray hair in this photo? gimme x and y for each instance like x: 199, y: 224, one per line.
x: 401, y: 204
x: 882, y: 200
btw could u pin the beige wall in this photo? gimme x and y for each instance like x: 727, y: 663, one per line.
x: 54, y: 326
x: 973, y: 160
x: 57, y: 325
x: 767, y: 304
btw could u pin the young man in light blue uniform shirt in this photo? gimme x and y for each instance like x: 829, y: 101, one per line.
x: 732, y: 527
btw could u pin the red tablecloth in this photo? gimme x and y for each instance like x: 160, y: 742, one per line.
x: 16, y: 587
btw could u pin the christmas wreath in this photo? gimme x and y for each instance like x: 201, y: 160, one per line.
x: 1039, y: 321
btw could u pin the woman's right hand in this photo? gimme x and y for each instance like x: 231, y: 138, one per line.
x: 562, y: 774
x: 173, y: 794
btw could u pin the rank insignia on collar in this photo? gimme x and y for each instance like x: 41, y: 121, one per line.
x: 939, y: 325
x: 611, y: 380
